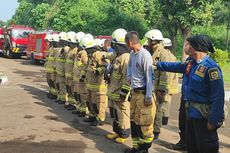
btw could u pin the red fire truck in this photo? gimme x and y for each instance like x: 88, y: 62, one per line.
x: 15, y: 40
x: 37, y: 46
x: 1, y: 39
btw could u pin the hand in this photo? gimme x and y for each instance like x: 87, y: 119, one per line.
x: 122, y: 97
x: 210, y: 126
x: 96, y: 72
x: 148, y: 101
x: 160, y: 93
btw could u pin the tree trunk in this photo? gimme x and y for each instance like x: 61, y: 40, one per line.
x: 185, y: 32
x: 174, y: 44
x: 228, y: 26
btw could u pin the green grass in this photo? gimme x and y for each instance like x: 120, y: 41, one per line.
x: 226, y: 72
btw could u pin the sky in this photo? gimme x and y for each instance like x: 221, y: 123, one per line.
x: 7, y: 9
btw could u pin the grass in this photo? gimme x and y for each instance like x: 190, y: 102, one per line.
x: 226, y: 74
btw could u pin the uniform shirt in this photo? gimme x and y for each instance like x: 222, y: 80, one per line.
x: 140, y: 71
x: 204, y: 85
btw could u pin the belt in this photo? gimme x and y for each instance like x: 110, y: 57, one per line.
x: 140, y: 89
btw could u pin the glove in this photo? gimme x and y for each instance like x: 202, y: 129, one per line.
x: 125, y: 89
x: 160, y: 96
x: 83, y: 76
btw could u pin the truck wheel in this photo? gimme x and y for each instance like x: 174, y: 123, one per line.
x: 32, y: 60
x: 9, y: 54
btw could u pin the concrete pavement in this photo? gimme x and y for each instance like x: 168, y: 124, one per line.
x: 32, y: 123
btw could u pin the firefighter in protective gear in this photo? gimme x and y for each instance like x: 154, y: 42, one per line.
x: 69, y: 63
x: 49, y: 69
x: 80, y: 65
x: 174, y: 84
x: 60, y: 67
x: 50, y: 65
x: 119, y: 90
x: 96, y: 86
x: 166, y: 83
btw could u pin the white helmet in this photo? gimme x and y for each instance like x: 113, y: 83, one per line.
x: 79, y: 36
x: 99, y: 42
x: 154, y: 34
x: 87, y: 41
x: 119, y: 36
x: 167, y: 42
x: 63, y: 36
x: 72, y: 36
x: 48, y: 37
x: 55, y: 37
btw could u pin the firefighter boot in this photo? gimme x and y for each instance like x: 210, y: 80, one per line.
x: 112, y: 136
x: 120, y: 140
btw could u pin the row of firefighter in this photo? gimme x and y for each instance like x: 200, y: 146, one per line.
x: 89, y: 75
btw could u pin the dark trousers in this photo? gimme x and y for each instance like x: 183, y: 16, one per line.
x: 199, y: 138
x: 182, y: 121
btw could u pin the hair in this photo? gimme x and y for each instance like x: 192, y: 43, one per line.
x: 132, y: 36
x: 108, y: 41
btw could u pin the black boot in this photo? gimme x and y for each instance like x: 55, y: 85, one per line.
x: 81, y: 114
x: 89, y: 119
x: 181, y: 145
x: 131, y: 150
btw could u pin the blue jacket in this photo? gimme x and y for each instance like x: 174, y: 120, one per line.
x: 203, y: 84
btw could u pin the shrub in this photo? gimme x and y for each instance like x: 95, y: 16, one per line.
x: 220, y: 56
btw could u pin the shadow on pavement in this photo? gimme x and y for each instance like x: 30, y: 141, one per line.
x: 97, y: 134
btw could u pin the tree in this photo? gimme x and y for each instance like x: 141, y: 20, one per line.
x: 38, y: 16
x: 222, y: 15
x: 187, y: 13
x: 23, y: 13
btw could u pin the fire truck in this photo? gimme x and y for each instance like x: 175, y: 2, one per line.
x: 37, y: 46
x: 14, y: 40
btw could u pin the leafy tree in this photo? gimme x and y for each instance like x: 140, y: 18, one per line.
x: 23, y: 13
x: 222, y: 15
x: 38, y: 15
x: 186, y: 13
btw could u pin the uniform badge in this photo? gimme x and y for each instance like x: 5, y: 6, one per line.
x: 214, y: 74
x: 200, y: 71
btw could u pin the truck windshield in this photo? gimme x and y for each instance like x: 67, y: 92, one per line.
x: 21, y: 33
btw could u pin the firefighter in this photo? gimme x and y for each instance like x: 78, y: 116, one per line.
x: 142, y: 103
x: 80, y: 64
x: 69, y: 64
x: 163, y: 80
x: 96, y: 86
x: 119, y: 89
x: 60, y: 67
x: 174, y: 84
x: 49, y: 66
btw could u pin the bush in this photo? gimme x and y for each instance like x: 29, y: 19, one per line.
x: 220, y: 56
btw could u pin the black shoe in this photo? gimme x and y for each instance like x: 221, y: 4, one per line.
x: 81, y: 114
x: 76, y: 112
x: 71, y: 107
x: 51, y: 96
x: 61, y: 102
x: 94, y: 123
x: 88, y: 120
x: 178, y: 146
x: 131, y: 150
x: 57, y: 101
x: 66, y: 106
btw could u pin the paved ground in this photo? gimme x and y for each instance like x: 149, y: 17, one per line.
x: 31, y: 123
